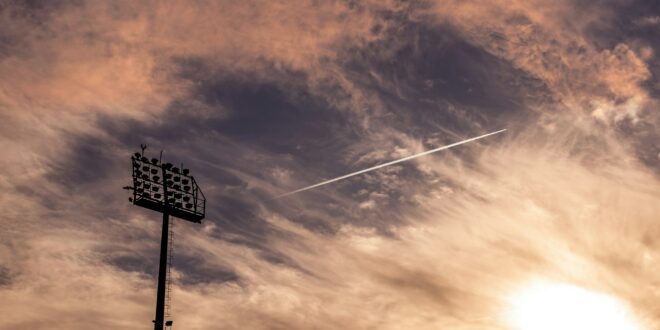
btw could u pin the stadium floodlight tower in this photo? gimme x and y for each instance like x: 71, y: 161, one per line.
x: 171, y: 191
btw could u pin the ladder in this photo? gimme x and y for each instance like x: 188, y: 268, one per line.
x: 168, y: 278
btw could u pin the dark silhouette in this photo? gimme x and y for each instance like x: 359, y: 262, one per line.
x: 178, y: 195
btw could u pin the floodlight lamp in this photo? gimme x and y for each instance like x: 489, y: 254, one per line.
x: 144, y: 159
x: 185, y: 171
x: 137, y: 155
x: 156, y: 178
x: 185, y: 181
x: 154, y: 161
x: 175, y: 170
x: 154, y: 171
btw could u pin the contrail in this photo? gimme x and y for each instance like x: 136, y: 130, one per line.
x: 390, y: 163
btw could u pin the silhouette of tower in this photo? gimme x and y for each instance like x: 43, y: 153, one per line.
x: 172, y: 191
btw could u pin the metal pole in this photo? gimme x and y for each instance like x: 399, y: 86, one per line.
x: 162, y: 274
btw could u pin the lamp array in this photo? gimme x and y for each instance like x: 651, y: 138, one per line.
x: 153, y: 181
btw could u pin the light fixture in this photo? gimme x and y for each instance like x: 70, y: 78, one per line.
x: 170, y: 201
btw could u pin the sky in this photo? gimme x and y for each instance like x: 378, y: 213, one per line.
x: 259, y: 98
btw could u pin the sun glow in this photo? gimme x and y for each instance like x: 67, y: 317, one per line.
x: 552, y: 306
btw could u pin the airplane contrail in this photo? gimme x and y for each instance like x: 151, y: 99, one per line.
x: 390, y: 163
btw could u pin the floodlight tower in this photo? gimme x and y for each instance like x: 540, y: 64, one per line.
x: 171, y: 191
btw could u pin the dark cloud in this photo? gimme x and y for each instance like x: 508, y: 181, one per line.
x: 260, y: 98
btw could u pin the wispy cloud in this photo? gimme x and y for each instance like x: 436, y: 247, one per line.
x: 260, y: 97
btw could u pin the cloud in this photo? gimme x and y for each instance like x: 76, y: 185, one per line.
x: 522, y: 211
x: 551, y: 42
x: 649, y: 21
x: 261, y: 97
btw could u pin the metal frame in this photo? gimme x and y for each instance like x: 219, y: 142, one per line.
x: 152, y: 182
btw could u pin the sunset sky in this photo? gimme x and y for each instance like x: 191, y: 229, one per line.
x: 554, y: 224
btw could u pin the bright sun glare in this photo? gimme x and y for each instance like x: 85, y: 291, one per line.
x: 553, y: 306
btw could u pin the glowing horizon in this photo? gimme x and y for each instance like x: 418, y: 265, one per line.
x: 545, y: 305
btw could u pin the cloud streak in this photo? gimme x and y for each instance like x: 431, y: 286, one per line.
x: 391, y: 163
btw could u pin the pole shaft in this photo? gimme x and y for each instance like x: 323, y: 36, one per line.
x: 162, y: 274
